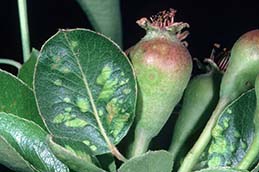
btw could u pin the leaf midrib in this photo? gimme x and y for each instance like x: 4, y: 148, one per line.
x: 95, y: 112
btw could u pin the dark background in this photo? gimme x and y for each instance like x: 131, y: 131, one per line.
x: 221, y: 21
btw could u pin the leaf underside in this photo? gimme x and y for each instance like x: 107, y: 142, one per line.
x: 152, y: 161
x: 85, y: 89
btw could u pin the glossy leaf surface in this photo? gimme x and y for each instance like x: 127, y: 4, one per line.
x: 29, y: 140
x: 152, y: 161
x: 17, y: 98
x: 27, y: 70
x: 85, y: 89
x: 12, y: 159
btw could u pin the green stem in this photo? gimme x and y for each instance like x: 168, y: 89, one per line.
x: 22, y: 7
x: 11, y: 62
x: 193, y: 155
x: 140, y: 144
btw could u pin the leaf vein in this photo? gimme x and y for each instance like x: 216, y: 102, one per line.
x: 101, y: 128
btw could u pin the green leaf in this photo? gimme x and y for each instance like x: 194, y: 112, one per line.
x: 27, y: 70
x: 73, y: 156
x: 85, y: 89
x: 12, y: 159
x: 17, y: 98
x: 107, y: 162
x: 221, y: 169
x: 256, y: 168
x: 152, y: 161
x: 105, y: 17
x: 233, y: 133
x: 29, y: 140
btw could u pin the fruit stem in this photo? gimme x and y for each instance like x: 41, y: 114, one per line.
x: 212, y: 65
x: 204, y: 139
x: 117, y: 154
x: 11, y: 62
x: 140, y: 143
x: 23, y: 16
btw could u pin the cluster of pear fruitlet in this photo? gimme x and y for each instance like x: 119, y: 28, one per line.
x: 77, y: 98
x: 163, y: 66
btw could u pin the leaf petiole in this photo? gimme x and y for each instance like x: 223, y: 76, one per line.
x: 11, y: 63
x: 23, y: 17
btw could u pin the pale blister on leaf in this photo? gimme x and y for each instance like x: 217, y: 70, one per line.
x: 27, y: 70
x: 233, y: 133
x: 73, y: 155
x: 17, y: 98
x: 152, y: 161
x: 12, y: 159
x: 85, y: 89
x: 29, y: 140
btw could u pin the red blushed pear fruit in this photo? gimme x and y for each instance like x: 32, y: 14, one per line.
x: 163, y: 68
x: 243, y: 66
x: 240, y: 76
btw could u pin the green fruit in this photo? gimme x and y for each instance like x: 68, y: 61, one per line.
x: 243, y: 67
x: 199, y: 100
x: 238, y: 78
x: 163, y: 67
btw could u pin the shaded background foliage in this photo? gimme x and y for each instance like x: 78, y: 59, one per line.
x: 221, y: 21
